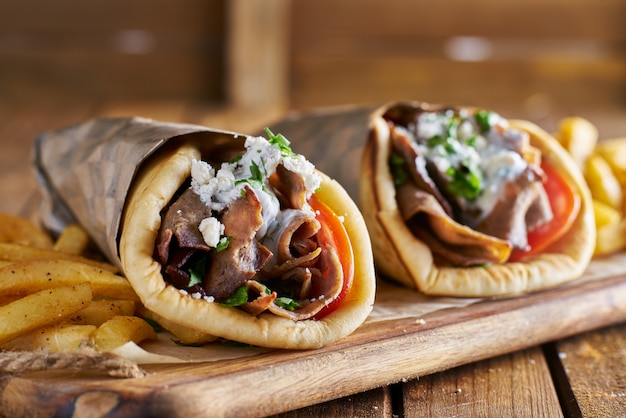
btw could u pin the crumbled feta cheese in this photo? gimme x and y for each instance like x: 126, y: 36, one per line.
x: 211, y: 230
x: 217, y: 188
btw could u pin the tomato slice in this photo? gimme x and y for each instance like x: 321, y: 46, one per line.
x: 565, y: 203
x: 333, y: 233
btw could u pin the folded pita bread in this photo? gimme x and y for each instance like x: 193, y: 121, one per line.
x: 403, y: 257
x: 154, y: 187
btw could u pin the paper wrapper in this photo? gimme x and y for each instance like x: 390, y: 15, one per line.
x: 85, y: 171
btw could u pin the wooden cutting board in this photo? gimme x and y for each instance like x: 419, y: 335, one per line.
x: 409, y: 335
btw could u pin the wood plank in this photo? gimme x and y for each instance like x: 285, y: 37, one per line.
x: 514, y: 385
x: 99, y: 16
x: 383, y: 353
x: 594, y: 364
x: 257, y: 58
x: 321, y: 80
x: 534, y: 19
x: 372, y: 52
x: 18, y: 130
x: 373, y: 403
x: 112, y: 49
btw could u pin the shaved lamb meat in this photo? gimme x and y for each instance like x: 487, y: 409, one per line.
x: 484, y: 179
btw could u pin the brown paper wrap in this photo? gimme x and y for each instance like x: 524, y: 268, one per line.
x: 85, y: 171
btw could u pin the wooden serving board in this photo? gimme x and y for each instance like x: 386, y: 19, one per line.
x: 409, y: 335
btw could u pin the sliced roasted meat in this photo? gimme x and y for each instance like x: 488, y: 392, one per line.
x: 289, y: 187
x: 239, y: 262
x: 416, y: 164
x: 454, y: 241
x: 291, y: 239
x: 509, y: 220
x: 181, y: 221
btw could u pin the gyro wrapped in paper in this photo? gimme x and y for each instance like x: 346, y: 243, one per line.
x: 463, y: 202
x: 231, y: 235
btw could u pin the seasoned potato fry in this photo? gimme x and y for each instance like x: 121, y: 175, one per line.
x: 73, y: 240
x: 611, y: 238
x: 23, y: 277
x: 18, y: 252
x: 614, y: 153
x: 100, y: 311
x: 578, y: 136
x: 55, y: 339
x: 22, y: 231
x: 184, y: 334
x: 46, y: 307
x: 602, y: 183
x: 605, y: 215
x: 120, y: 330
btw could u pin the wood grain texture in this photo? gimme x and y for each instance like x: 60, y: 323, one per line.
x: 514, y: 385
x: 562, y: 54
x: 375, y: 403
x: 382, y: 353
x: 142, y: 49
x: 595, y: 366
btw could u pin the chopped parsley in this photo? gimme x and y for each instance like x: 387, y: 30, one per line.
x: 238, y: 298
x: 466, y: 181
x: 256, y: 177
x: 196, y: 272
x: 484, y: 119
x: 287, y: 303
x: 223, y: 243
x: 396, y: 164
x: 281, y: 142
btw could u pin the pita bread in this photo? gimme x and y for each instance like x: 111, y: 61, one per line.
x: 402, y: 257
x: 153, y: 188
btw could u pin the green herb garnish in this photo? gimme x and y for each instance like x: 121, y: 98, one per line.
x: 448, y: 143
x: 396, y: 165
x: 484, y: 119
x: 238, y: 298
x: 279, y: 141
x: 196, y: 272
x: 467, y: 181
x: 286, y: 303
x: 223, y: 243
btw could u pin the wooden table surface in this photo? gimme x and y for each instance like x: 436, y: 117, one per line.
x: 582, y: 374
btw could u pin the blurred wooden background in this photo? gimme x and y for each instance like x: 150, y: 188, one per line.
x: 525, y: 57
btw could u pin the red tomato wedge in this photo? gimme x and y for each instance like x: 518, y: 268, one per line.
x: 333, y: 233
x: 565, y: 203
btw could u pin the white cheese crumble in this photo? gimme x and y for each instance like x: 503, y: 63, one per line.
x: 218, y: 188
x: 212, y: 230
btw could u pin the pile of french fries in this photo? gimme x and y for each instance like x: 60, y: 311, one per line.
x: 603, y: 164
x: 55, y: 296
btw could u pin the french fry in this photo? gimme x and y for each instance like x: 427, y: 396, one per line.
x: 602, y: 183
x: 73, y: 240
x: 611, y: 238
x: 605, y: 215
x: 100, y: 311
x: 22, y: 231
x: 185, y: 335
x: 43, y: 308
x: 55, y: 339
x: 579, y: 137
x: 120, y: 330
x: 614, y: 153
x: 24, y: 277
x: 17, y: 252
